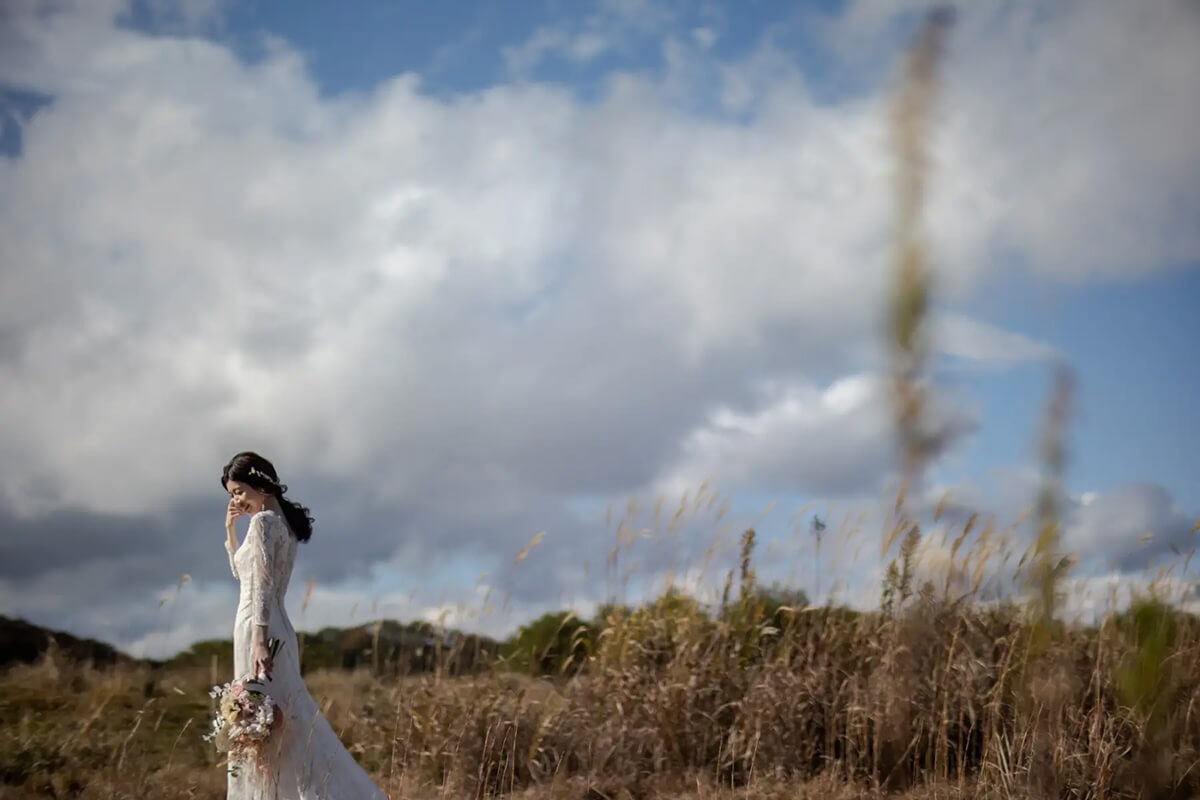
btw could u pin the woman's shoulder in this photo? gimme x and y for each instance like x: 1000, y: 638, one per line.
x: 266, y: 519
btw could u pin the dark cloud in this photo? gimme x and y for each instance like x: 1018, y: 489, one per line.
x: 65, y: 540
x: 1134, y: 525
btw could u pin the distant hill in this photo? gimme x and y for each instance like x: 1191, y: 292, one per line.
x: 403, y: 648
x: 23, y: 642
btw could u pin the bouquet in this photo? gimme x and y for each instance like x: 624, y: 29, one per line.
x: 244, y: 718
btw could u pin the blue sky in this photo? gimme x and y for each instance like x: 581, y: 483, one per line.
x: 1130, y: 346
x: 469, y: 271
x: 461, y: 46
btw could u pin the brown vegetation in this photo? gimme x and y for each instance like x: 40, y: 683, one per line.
x: 939, y: 699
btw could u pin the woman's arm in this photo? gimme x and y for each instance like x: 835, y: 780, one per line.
x: 261, y: 540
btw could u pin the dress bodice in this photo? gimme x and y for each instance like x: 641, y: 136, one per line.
x: 263, y: 564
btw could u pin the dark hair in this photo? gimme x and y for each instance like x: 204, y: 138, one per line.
x: 254, y: 470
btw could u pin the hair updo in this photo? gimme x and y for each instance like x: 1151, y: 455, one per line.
x: 254, y: 470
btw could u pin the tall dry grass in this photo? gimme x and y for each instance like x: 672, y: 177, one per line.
x: 945, y: 698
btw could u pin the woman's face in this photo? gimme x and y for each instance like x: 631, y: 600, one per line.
x: 250, y: 500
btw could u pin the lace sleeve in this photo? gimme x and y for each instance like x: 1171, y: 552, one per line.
x: 262, y: 573
x: 232, y: 562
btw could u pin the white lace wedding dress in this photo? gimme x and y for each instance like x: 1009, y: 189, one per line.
x: 308, y: 761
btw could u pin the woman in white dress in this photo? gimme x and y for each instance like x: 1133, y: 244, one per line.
x: 308, y: 761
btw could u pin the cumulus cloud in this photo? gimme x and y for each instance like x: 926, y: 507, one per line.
x: 1083, y: 106
x: 1092, y: 118
x: 446, y: 318
x: 833, y: 441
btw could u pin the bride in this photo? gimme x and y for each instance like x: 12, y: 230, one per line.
x: 308, y: 762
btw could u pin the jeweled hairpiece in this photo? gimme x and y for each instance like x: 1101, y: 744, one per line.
x: 255, y: 471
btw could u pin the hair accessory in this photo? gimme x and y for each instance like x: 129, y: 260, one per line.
x: 256, y: 472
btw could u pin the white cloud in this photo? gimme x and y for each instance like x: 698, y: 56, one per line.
x: 1068, y: 135
x: 832, y: 441
x: 960, y: 336
x: 705, y: 36
x: 1089, y: 599
x: 1081, y: 131
x: 799, y: 436
x: 610, y: 26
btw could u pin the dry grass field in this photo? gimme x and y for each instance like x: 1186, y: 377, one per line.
x: 935, y: 699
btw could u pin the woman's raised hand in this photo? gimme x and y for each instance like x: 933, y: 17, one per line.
x: 234, y: 511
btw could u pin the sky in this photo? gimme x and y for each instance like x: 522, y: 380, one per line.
x: 471, y: 272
